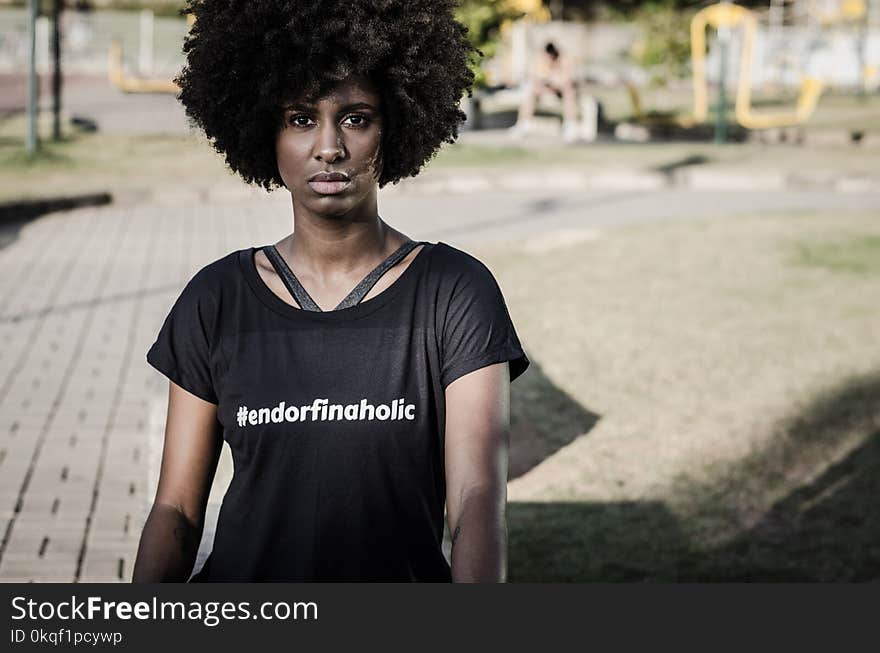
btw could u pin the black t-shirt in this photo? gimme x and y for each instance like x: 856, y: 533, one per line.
x: 335, y: 419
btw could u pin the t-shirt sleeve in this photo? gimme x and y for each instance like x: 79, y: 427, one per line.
x: 182, y: 350
x: 478, y: 330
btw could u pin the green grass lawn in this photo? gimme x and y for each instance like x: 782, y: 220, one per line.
x: 704, y: 401
x: 99, y: 162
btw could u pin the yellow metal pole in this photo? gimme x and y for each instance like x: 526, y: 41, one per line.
x: 727, y: 14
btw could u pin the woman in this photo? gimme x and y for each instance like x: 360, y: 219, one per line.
x: 350, y: 422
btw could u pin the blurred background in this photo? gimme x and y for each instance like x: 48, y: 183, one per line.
x: 680, y: 201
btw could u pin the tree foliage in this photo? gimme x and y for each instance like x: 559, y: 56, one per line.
x: 484, y: 18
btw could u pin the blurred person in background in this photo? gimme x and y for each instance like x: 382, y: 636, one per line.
x: 551, y: 72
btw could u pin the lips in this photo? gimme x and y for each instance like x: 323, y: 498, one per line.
x: 329, y: 183
x: 329, y: 176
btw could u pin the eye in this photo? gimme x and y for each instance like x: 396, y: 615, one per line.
x: 361, y: 120
x: 293, y: 120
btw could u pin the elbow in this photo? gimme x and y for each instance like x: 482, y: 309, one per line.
x: 191, y: 519
x: 168, y: 546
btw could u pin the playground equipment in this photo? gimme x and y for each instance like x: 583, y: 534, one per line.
x: 783, y: 16
x: 533, y: 9
x: 133, y: 84
x: 130, y: 84
x: 723, y: 16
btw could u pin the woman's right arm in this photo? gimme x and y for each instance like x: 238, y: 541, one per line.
x: 173, y: 530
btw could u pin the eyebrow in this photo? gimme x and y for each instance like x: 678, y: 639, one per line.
x: 308, y: 106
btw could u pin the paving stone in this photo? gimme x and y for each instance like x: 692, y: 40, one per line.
x: 107, y: 569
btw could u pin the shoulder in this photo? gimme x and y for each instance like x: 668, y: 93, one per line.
x: 459, y: 274
x: 454, y: 263
x: 213, y: 277
x: 219, y: 269
x: 205, y: 289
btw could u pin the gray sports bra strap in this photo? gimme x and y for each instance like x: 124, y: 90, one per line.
x: 360, y: 290
x: 354, y: 297
x: 293, y: 285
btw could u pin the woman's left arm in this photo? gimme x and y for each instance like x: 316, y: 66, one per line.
x: 477, y: 442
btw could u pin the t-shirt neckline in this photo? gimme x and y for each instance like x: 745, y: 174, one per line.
x: 248, y: 265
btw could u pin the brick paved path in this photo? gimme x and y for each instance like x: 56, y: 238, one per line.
x: 83, y: 295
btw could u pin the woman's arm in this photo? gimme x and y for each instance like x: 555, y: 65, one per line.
x: 170, y: 539
x: 477, y: 441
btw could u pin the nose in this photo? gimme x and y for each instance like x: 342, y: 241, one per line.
x: 330, y: 145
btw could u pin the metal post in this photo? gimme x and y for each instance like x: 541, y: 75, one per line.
x: 145, y: 58
x: 721, y: 117
x: 31, y: 137
x: 861, y: 48
x: 56, y: 72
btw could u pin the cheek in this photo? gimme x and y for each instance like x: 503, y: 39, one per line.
x: 289, y: 155
x: 373, y: 157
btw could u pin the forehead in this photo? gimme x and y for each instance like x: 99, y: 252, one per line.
x: 350, y: 90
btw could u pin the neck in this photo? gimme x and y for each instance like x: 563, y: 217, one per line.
x: 328, y: 246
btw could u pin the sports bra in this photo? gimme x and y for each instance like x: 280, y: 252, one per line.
x: 358, y: 292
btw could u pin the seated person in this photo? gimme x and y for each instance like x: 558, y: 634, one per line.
x: 554, y: 72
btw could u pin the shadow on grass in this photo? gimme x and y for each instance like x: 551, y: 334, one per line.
x: 686, y: 162
x: 671, y: 131
x: 543, y: 419
x: 585, y: 542
x: 825, y: 528
x: 15, y: 215
x: 662, y: 126
x: 828, y: 530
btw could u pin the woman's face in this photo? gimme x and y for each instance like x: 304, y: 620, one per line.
x: 338, y: 134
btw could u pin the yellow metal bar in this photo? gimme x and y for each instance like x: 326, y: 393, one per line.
x: 634, y: 99
x: 715, y: 16
x: 129, y: 84
x: 533, y: 9
x: 731, y: 15
x: 869, y: 73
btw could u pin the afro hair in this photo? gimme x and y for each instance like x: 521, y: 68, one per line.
x: 246, y: 58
